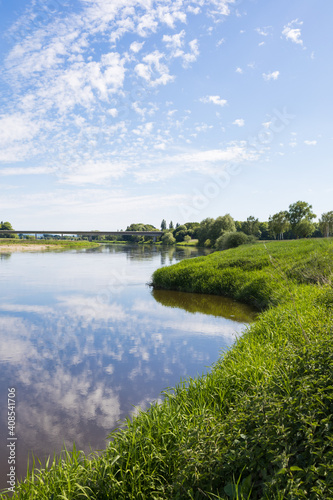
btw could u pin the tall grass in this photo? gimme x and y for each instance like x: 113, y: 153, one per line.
x: 259, y: 425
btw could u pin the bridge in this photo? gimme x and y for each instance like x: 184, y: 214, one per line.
x: 89, y: 234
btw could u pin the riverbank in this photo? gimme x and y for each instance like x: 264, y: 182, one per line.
x: 261, y: 418
x: 9, y: 245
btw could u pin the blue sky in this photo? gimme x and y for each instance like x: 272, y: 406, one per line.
x: 121, y: 111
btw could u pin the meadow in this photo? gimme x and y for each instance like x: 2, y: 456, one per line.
x: 259, y: 425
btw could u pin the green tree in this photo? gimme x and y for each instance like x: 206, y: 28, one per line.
x: 278, y: 224
x: 326, y: 224
x: 251, y: 226
x: 163, y: 225
x: 171, y: 225
x: 168, y: 239
x: 304, y: 228
x: 192, y: 229
x: 264, y: 231
x: 204, y: 230
x: 6, y: 226
x: 221, y: 225
x: 139, y: 227
x: 180, y: 232
x: 298, y: 212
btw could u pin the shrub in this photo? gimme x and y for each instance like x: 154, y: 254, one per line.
x: 231, y: 240
x: 168, y: 239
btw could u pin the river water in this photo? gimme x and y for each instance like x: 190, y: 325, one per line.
x: 85, y: 342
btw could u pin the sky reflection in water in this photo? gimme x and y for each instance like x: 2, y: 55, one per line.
x: 83, y: 340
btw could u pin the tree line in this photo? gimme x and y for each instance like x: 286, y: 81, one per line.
x: 225, y: 232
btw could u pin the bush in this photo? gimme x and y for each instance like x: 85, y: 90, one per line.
x: 231, y: 240
x: 168, y: 239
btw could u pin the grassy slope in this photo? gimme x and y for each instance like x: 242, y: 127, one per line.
x: 263, y: 417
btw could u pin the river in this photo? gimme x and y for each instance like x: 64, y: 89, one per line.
x: 85, y: 342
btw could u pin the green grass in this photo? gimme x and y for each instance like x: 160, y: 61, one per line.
x: 52, y: 243
x: 192, y: 243
x: 259, y: 425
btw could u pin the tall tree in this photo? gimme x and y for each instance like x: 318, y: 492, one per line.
x: 220, y: 226
x: 278, y: 224
x: 326, y: 224
x: 171, y: 225
x: 204, y: 230
x: 163, y: 225
x: 251, y: 226
x: 298, y: 212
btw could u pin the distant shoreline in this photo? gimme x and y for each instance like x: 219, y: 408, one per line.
x: 17, y: 245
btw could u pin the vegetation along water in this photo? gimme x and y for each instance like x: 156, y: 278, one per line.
x: 260, y: 424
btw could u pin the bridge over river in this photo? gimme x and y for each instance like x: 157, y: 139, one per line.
x: 89, y: 234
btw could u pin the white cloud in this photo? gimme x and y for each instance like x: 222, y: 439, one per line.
x: 113, y: 112
x: 214, y: 99
x: 153, y: 71
x: 271, y: 76
x: 234, y: 153
x: 239, y: 70
x: 264, y: 31
x: 174, y: 41
x: 17, y: 127
x: 136, y: 46
x: 292, y: 33
x: 93, y: 173
x: 27, y: 171
x: 240, y: 122
x: 310, y: 143
x: 144, y: 130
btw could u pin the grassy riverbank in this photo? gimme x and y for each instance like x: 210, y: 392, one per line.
x: 260, y: 424
x: 16, y: 243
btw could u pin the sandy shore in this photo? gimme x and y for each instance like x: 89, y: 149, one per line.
x: 24, y: 248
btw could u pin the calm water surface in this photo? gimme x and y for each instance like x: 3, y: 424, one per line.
x: 84, y: 341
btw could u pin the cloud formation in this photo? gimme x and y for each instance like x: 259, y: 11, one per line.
x: 292, y: 32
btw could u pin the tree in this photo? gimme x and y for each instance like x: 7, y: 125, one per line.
x: 326, y: 224
x: 204, y: 230
x: 299, y: 212
x: 278, y: 224
x: 180, y: 232
x: 171, y: 225
x: 304, y: 228
x: 192, y: 229
x: 251, y: 226
x: 163, y: 225
x: 264, y: 231
x: 6, y: 226
x: 168, y: 239
x: 221, y: 225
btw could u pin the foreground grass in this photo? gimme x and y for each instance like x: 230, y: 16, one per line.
x: 259, y: 425
x: 50, y: 243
